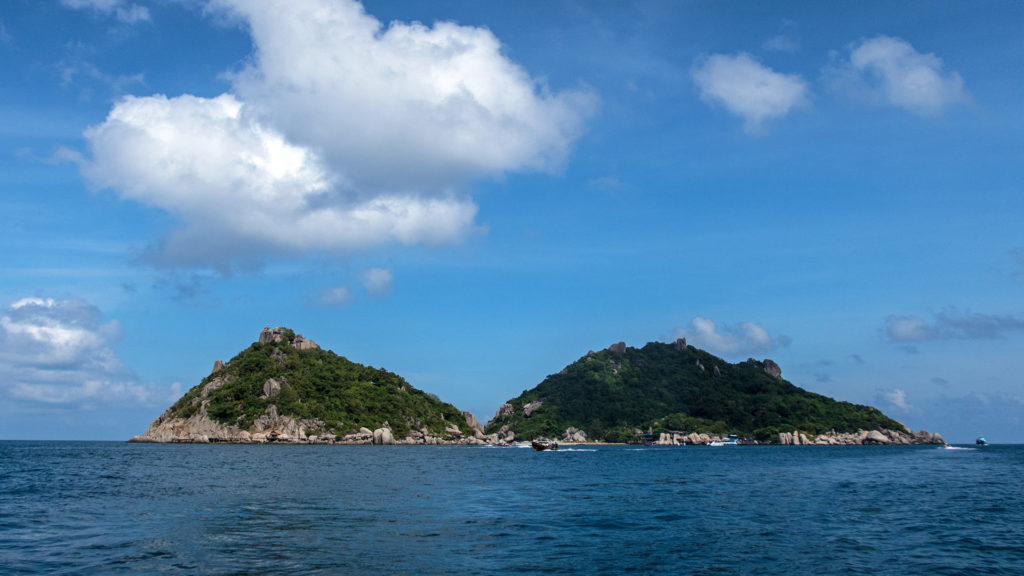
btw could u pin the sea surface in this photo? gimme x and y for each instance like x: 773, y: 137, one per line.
x: 117, y: 508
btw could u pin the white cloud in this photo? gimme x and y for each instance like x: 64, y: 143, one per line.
x: 890, y: 71
x: 129, y: 14
x: 377, y: 281
x: 58, y: 352
x: 340, y: 135
x: 740, y: 339
x: 747, y: 89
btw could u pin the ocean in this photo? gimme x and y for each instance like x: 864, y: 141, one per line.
x: 117, y: 508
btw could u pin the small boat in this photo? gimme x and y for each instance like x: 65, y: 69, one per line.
x: 981, y: 441
x: 730, y: 441
x: 540, y: 446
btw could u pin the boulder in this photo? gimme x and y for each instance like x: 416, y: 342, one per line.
x: 772, y: 369
x: 532, y: 407
x: 478, y: 429
x: 271, y: 388
x: 680, y: 344
x: 382, y: 436
x: 573, y: 434
x: 618, y: 349
x: 875, y: 437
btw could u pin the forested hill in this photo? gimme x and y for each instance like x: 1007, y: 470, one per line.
x: 285, y: 387
x: 611, y: 393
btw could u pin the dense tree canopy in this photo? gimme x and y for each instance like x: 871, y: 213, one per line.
x: 609, y: 394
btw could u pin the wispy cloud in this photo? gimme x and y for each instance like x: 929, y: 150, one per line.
x: 740, y: 339
x: 894, y: 398
x: 889, y: 71
x: 338, y: 297
x: 343, y: 134
x: 377, y: 282
x: 749, y: 89
x: 951, y: 324
x: 123, y: 11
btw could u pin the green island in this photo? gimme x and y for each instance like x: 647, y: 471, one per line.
x: 676, y: 393
x: 285, y: 388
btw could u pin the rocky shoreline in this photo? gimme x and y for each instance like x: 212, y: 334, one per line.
x: 272, y: 428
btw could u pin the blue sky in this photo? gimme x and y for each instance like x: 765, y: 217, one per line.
x: 475, y: 194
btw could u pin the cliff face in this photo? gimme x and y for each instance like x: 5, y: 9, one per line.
x: 285, y: 388
x: 625, y: 394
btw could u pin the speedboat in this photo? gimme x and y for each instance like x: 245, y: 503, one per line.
x: 981, y: 441
x: 540, y: 446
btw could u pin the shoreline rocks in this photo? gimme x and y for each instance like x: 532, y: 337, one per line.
x: 882, y: 437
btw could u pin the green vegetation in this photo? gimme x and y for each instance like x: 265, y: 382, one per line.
x: 318, y: 384
x: 662, y: 387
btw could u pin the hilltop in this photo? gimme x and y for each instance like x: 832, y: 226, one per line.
x: 679, y: 393
x: 285, y: 388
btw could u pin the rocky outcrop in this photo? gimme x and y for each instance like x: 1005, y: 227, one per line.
x: 301, y: 343
x: 861, y: 438
x: 772, y: 369
x: 532, y: 407
x: 680, y: 344
x: 277, y: 336
x: 504, y: 410
x: 618, y: 349
x: 382, y: 436
x: 271, y: 388
x: 478, y: 429
x: 682, y: 439
x: 574, y: 435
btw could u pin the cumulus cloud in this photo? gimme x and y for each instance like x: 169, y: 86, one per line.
x: 739, y: 339
x: 59, y: 352
x: 951, y: 325
x: 377, y: 281
x: 341, y: 134
x: 889, y: 71
x: 748, y: 89
x: 127, y: 13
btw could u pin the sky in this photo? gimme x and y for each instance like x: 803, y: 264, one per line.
x: 475, y: 194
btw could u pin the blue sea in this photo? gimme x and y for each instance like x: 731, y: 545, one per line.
x: 116, y: 508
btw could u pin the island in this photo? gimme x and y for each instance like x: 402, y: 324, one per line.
x: 284, y: 388
x: 675, y: 394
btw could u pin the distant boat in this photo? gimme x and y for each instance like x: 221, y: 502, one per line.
x: 731, y: 441
x: 540, y: 446
x: 981, y: 441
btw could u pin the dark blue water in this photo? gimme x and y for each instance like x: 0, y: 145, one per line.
x: 109, y: 508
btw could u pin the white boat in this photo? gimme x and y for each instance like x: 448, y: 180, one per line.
x: 731, y: 441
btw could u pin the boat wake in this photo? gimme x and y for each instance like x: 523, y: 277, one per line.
x: 957, y: 448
